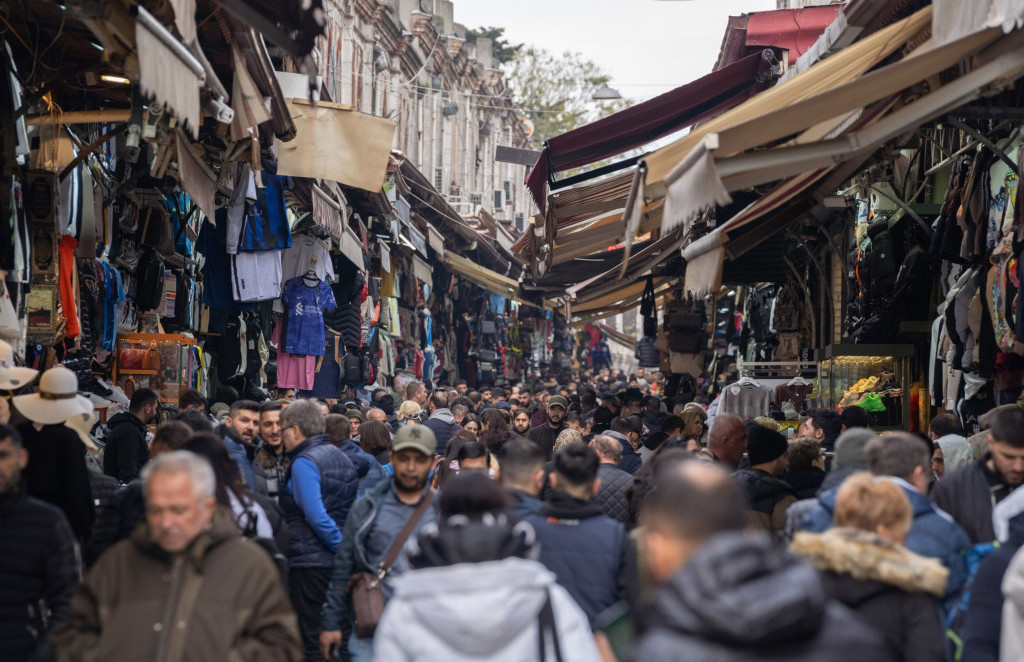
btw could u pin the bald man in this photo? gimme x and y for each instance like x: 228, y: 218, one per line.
x: 727, y: 441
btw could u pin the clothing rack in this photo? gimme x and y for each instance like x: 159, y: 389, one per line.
x: 777, y: 371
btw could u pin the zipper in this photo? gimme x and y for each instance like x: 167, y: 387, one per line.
x: 167, y: 626
x: 363, y: 529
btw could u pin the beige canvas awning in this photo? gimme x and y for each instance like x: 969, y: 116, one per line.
x: 336, y: 143
x: 491, y: 281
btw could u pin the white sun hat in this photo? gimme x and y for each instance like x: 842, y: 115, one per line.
x: 11, y: 376
x: 82, y: 425
x: 57, y: 399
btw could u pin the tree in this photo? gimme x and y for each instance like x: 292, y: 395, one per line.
x: 555, y: 91
x: 504, y: 52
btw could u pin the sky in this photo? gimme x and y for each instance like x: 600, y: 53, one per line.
x: 647, y: 46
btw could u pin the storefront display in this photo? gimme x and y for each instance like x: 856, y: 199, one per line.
x: 874, y: 377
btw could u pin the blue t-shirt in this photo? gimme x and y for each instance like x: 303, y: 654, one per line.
x: 305, y: 306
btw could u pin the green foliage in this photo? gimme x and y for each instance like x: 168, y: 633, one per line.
x: 504, y: 52
x: 554, y: 91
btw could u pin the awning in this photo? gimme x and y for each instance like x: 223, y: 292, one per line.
x: 334, y: 142
x: 757, y: 167
x: 648, y: 121
x: 957, y: 18
x: 485, y: 278
x: 841, y: 68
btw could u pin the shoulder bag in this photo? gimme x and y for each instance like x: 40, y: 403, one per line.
x: 364, y: 588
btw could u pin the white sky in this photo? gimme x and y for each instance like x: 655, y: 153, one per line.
x: 647, y: 46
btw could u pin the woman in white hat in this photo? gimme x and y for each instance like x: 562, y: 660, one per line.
x: 13, y: 377
x: 56, y: 471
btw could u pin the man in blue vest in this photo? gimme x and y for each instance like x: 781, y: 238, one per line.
x: 591, y: 555
x: 320, y: 487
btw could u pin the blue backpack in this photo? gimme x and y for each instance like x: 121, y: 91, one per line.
x: 957, y: 616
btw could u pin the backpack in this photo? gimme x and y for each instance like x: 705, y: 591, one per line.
x: 150, y: 275
x: 268, y: 545
x: 957, y: 616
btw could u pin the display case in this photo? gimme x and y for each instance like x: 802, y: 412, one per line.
x: 164, y: 362
x: 877, y: 377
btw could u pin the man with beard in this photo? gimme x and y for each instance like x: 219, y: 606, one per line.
x: 268, y: 465
x: 544, y: 435
x: 239, y: 434
x: 969, y: 493
x: 375, y: 521
x: 521, y: 423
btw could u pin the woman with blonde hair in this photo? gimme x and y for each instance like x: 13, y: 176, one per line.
x: 409, y: 412
x: 866, y: 567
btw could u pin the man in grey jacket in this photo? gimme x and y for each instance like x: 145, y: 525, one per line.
x: 615, y: 483
x: 268, y: 465
x: 373, y: 524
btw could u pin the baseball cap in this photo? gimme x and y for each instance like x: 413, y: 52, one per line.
x: 415, y: 436
x: 558, y: 401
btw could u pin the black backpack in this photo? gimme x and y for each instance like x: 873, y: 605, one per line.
x: 150, y: 275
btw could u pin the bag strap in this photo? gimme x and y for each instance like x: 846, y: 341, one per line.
x: 404, y: 534
x: 546, y: 623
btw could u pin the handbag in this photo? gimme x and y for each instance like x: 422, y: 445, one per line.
x: 364, y: 587
x: 488, y: 355
x: 135, y: 358
x: 647, y: 300
x: 487, y: 327
x: 650, y: 327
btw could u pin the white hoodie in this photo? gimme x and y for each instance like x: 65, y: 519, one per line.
x: 480, y: 611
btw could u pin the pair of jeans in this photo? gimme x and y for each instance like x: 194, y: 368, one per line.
x: 308, y: 590
x: 360, y: 650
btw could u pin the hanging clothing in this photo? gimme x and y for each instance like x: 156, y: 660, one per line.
x: 256, y: 276
x: 747, y: 400
x: 304, y: 307
x: 66, y: 275
x: 327, y: 381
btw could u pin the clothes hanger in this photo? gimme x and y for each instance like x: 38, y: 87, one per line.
x: 798, y: 381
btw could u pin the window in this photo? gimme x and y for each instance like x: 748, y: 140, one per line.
x: 476, y: 199
x: 438, y: 178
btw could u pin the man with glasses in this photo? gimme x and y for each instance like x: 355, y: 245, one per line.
x: 320, y: 487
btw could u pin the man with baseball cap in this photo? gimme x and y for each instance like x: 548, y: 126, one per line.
x: 373, y: 524
x: 544, y: 435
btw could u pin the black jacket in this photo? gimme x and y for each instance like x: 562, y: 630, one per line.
x: 966, y: 494
x: 57, y: 473
x: 38, y: 566
x: 893, y: 590
x: 805, y: 482
x: 116, y: 520
x: 544, y: 436
x: 126, y: 451
x: 739, y: 598
x: 983, y: 622
x: 612, y: 495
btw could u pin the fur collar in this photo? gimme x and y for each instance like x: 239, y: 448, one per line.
x: 867, y: 556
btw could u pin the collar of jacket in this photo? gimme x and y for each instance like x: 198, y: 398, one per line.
x: 267, y: 457
x: 866, y: 556
x: 221, y: 528
x: 565, y: 506
x: 11, y: 499
x: 315, y: 440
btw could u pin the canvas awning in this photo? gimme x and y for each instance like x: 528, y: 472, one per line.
x: 839, y: 69
x: 701, y: 179
x: 337, y: 143
x: 648, y: 121
x: 489, y: 280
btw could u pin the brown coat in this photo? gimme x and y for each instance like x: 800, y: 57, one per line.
x: 221, y: 600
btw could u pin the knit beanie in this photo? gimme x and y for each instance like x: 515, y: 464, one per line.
x: 850, y: 449
x: 764, y: 445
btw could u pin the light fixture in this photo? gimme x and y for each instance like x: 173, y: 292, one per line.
x: 605, y: 93
x: 118, y: 80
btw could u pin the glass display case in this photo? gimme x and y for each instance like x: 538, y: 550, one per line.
x: 163, y: 362
x: 875, y: 377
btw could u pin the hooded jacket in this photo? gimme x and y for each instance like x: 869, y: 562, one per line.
x: 739, y: 598
x: 892, y: 589
x: 983, y: 621
x: 769, y: 499
x: 931, y: 534
x: 239, y: 452
x: 480, y: 611
x: 442, y: 424
x: 268, y: 472
x: 631, y: 460
x: 222, y: 599
x: 126, y: 451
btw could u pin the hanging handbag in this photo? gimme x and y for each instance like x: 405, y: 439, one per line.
x: 651, y: 327
x: 364, y: 588
x: 647, y: 300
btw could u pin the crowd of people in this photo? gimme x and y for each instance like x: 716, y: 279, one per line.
x: 586, y: 518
